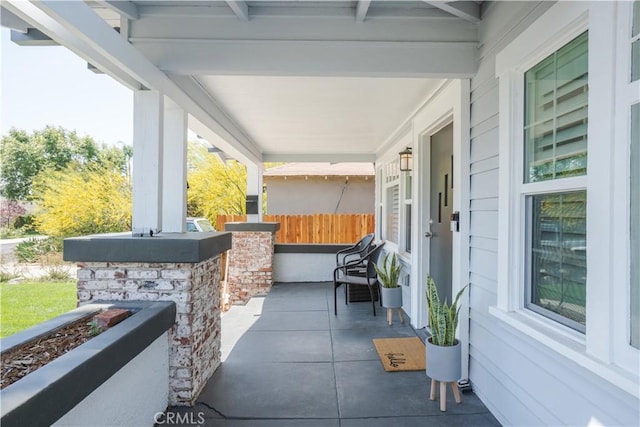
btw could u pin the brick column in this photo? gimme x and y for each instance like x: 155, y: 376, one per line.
x: 250, y: 259
x: 194, y: 346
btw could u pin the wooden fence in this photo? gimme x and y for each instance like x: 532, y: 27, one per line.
x: 318, y: 228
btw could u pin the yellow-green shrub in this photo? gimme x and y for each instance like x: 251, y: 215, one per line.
x: 215, y: 187
x: 75, y: 202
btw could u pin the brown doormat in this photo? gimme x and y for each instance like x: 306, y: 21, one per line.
x: 401, y: 354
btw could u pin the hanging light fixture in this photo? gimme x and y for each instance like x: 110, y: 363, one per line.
x: 406, y: 160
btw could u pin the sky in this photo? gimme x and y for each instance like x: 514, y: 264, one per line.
x: 50, y: 85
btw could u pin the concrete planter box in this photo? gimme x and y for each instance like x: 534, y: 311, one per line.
x: 119, y: 377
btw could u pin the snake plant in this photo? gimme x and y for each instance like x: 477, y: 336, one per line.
x: 389, y: 274
x: 443, y: 318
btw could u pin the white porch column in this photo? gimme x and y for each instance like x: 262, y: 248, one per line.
x: 148, y: 106
x: 174, y: 177
x: 254, y: 193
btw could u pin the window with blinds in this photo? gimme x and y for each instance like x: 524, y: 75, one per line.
x: 393, y: 213
x: 555, y: 131
x: 558, y: 256
x: 555, y: 147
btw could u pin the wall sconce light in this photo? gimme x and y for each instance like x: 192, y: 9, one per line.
x: 406, y: 160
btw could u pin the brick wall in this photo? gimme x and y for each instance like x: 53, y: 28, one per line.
x: 194, y: 347
x: 250, y: 265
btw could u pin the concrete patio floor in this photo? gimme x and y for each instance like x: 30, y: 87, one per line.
x: 288, y: 361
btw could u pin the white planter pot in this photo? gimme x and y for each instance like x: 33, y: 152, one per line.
x: 443, y: 363
x: 392, y: 297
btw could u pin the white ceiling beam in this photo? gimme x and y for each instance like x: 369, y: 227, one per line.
x: 205, y: 24
x: 320, y: 157
x: 11, y: 21
x: 32, y: 37
x: 124, y: 8
x: 283, y: 10
x: 362, y: 9
x: 202, y: 97
x: 466, y: 10
x: 211, y: 137
x: 75, y: 23
x: 312, y: 58
x: 240, y: 8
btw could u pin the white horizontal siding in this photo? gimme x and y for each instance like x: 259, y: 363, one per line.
x: 484, y: 185
x: 520, y: 381
x: 485, y: 283
x: 486, y: 204
x: 484, y: 243
x: 485, y: 145
x: 557, y: 391
x: 484, y: 263
x: 484, y: 165
x: 484, y: 224
x: 486, y: 105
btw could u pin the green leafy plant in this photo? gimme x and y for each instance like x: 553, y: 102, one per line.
x: 26, y: 251
x: 26, y: 224
x: 389, y: 274
x: 94, y: 329
x: 33, y: 249
x: 9, y: 233
x: 6, y: 276
x: 56, y: 273
x: 443, y: 318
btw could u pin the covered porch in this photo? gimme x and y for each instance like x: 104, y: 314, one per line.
x: 287, y: 360
x: 361, y: 81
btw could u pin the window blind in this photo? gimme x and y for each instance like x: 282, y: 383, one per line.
x: 393, y: 210
x: 556, y: 111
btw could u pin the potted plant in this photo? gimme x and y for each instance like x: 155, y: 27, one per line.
x: 391, y: 292
x: 443, y: 350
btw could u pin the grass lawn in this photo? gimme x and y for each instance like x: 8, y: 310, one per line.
x: 26, y: 304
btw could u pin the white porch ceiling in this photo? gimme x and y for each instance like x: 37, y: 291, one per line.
x: 291, y: 80
x: 305, y: 118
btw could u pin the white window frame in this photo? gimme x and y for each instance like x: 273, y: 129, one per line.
x: 627, y: 93
x: 392, y: 208
x: 391, y: 178
x: 525, y: 189
x: 389, y: 175
x: 598, y: 348
x: 406, y: 201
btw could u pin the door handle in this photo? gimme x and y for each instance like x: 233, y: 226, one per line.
x: 428, y: 234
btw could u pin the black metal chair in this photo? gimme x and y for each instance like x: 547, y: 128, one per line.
x: 342, y: 276
x: 354, y: 252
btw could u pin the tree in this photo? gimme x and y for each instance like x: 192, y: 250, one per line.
x: 21, y: 161
x: 9, y: 211
x: 24, y: 156
x: 116, y: 158
x: 214, y: 187
x: 76, y: 202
